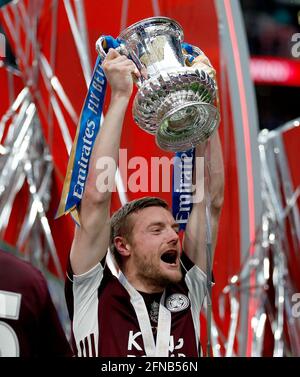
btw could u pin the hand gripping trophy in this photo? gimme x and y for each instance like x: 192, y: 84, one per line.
x: 175, y: 99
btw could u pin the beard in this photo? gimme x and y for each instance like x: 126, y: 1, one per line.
x: 151, y: 272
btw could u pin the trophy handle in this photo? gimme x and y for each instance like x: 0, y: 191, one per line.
x: 196, y: 51
x: 121, y: 48
x: 101, y: 42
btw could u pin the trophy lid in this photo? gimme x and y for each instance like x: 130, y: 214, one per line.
x: 152, y: 22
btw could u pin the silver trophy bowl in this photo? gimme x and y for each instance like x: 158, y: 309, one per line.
x: 175, y: 101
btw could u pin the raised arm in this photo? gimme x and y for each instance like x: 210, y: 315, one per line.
x: 195, y: 238
x: 91, y: 238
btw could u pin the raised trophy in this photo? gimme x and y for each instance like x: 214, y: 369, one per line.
x: 174, y: 101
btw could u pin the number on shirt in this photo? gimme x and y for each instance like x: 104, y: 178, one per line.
x: 9, y: 344
x: 9, y: 308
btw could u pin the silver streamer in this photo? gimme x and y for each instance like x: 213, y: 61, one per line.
x: 25, y: 158
x: 269, y: 264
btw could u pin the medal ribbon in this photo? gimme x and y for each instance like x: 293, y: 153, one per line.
x: 161, y: 348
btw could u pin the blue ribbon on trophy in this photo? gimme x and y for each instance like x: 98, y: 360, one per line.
x: 87, y: 130
x: 182, y: 195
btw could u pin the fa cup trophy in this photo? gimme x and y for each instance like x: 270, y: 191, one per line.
x: 174, y: 101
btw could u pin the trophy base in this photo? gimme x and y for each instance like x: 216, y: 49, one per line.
x: 187, y: 125
x: 177, y: 108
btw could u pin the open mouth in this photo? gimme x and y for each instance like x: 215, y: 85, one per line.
x: 169, y: 257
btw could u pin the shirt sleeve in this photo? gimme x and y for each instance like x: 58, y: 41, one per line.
x: 82, y: 299
x: 196, y: 281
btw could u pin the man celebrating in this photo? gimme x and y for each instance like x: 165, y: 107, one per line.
x: 151, y: 305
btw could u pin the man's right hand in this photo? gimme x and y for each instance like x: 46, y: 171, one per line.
x: 118, y: 70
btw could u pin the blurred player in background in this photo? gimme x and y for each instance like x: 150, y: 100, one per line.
x: 29, y: 324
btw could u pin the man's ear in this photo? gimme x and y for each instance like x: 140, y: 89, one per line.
x: 122, y: 246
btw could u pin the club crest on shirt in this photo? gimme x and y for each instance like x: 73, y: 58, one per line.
x: 177, y: 302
